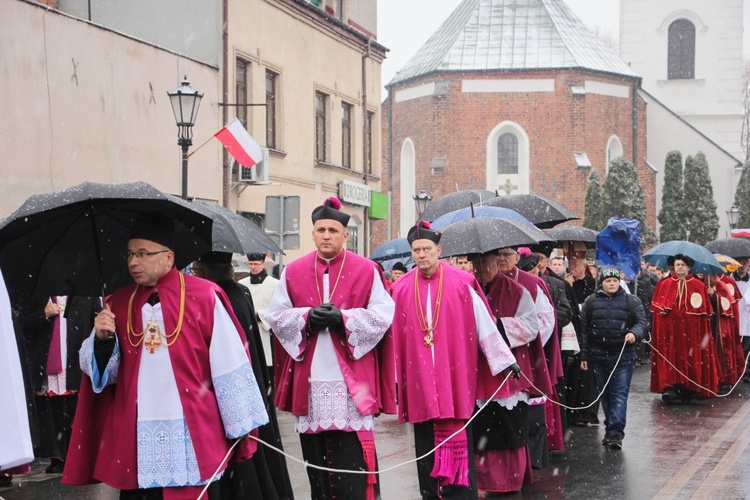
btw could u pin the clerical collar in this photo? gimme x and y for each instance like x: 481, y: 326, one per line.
x: 433, y: 275
x: 257, y: 279
x: 332, y: 261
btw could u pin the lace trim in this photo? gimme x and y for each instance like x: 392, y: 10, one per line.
x: 240, y: 402
x: 288, y: 326
x: 497, y: 353
x: 517, y: 334
x: 332, y: 408
x: 547, y: 320
x: 510, y: 402
x: 166, y: 456
x: 367, y: 329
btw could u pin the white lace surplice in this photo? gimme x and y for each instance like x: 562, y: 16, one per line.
x: 330, y: 404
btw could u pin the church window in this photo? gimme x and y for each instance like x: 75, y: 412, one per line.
x: 681, y: 54
x: 507, y: 154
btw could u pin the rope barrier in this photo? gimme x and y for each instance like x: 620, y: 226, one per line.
x: 346, y: 471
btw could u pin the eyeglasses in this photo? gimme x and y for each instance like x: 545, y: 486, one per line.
x: 506, y: 255
x: 141, y: 254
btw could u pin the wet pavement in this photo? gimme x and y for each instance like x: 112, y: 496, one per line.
x: 700, y: 450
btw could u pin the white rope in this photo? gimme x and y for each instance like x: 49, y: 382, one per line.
x: 734, y: 386
x: 346, y: 471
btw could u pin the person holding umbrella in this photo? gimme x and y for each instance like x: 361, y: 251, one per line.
x: 169, y: 380
x: 442, y: 321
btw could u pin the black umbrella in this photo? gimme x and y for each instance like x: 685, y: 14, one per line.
x: 456, y: 201
x: 72, y: 242
x: 573, y: 233
x: 233, y: 233
x: 543, y: 212
x: 483, y: 234
x: 737, y: 248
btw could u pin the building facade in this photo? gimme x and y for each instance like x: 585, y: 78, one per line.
x: 513, y: 97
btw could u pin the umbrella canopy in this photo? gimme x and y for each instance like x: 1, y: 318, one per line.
x: 233, y: 233
x: 543, y: 212
x: 72, y: 242
x: 466, y: 213
x: 483, y: 234
x: 456, y: 201
x: 393, y: 249
x: 727, y: 263
x: 737, y: 248
x: 705, y: 262
x: 573, y: 233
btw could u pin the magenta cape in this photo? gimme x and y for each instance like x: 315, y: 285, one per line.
x: 103, y: 444
x: 446, y: 388
x: 681, y: 332
x: 503, y: 297
x: 352, y: 291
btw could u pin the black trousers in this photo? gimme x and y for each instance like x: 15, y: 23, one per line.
x: 55, y: 416
x: 336, y: 450
x: 213, y: 493
x: 424, y: 441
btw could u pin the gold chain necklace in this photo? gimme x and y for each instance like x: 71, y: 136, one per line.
x: 421, y: 317
x: 152, y: 326
x: 335, y: 284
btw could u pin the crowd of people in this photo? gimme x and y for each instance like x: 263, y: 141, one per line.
x: 164, y: 389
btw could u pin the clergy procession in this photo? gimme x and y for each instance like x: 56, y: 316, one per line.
x: 146, y: 364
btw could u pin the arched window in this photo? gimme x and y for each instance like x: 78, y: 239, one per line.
x: 614, y: 150
x: 507, y: 154
x: 508, y: 159
x: 681, y: 52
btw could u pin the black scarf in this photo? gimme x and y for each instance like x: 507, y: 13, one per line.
x: 257, y: 279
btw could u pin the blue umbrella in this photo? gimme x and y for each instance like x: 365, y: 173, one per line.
x: 392, y: 249
x: 465, y: 213
x: 705, y: 262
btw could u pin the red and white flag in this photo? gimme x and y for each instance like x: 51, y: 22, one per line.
x: 240, y: 144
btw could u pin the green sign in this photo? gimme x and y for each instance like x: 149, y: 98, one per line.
x: 378, y: 206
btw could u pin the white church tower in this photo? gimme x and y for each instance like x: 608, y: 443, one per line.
x: 689, y: 53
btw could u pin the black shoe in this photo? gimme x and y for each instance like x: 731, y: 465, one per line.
x: 607, y: 441
x: 56, y: 467
x: 615, y: 443
x: 5, y: 481
x: 669, y: 396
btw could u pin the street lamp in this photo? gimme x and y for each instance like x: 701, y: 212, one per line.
x: 733, y: 215
x: 422, y: 200
x: 185, y: 101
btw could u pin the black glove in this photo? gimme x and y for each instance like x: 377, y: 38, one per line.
x: 327, y: 316
x: 516, y: 370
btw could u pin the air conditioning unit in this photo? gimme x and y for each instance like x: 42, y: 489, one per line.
x: 258, y: 172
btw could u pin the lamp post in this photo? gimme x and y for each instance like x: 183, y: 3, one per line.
x: 421, y: 201
x: 733, y: 215
x: 185, y: 102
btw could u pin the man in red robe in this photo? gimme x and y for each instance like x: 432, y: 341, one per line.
x: 725, y: 324
x: 329, y: 312
x: 168, y: 382
x: 681, y: 337
x: 441, y: 324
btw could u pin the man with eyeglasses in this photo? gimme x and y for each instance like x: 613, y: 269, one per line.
x: 541, y: 436
x: 169, y: 385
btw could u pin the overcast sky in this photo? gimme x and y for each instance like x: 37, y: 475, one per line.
x: 405, y: 25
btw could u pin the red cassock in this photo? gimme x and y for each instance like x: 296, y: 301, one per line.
x: 727, y: 340
x: 681, y: 333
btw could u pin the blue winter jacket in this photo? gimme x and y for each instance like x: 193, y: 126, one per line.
x: 606, y: 320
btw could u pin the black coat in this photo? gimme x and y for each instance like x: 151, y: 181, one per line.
x: 37, y: 331
x: 605, y: 321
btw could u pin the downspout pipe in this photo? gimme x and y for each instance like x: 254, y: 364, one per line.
x: 226, y: 174
x: 366, y: 167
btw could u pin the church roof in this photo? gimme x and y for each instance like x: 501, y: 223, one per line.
x: 485, y: 35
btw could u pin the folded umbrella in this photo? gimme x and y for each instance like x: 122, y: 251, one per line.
x: 483, y: 234
x: 72, y: 242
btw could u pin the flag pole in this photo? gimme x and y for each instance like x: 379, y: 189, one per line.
x: 196, y: 149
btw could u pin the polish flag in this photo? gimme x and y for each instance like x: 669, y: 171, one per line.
x: 240, y: 144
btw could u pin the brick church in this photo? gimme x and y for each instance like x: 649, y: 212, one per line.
x: 513, y: 96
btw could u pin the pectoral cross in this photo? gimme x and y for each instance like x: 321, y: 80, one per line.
x: 154, y: 341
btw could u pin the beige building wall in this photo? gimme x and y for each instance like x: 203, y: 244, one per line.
x: 84, y: 103
x: 310, y: 54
